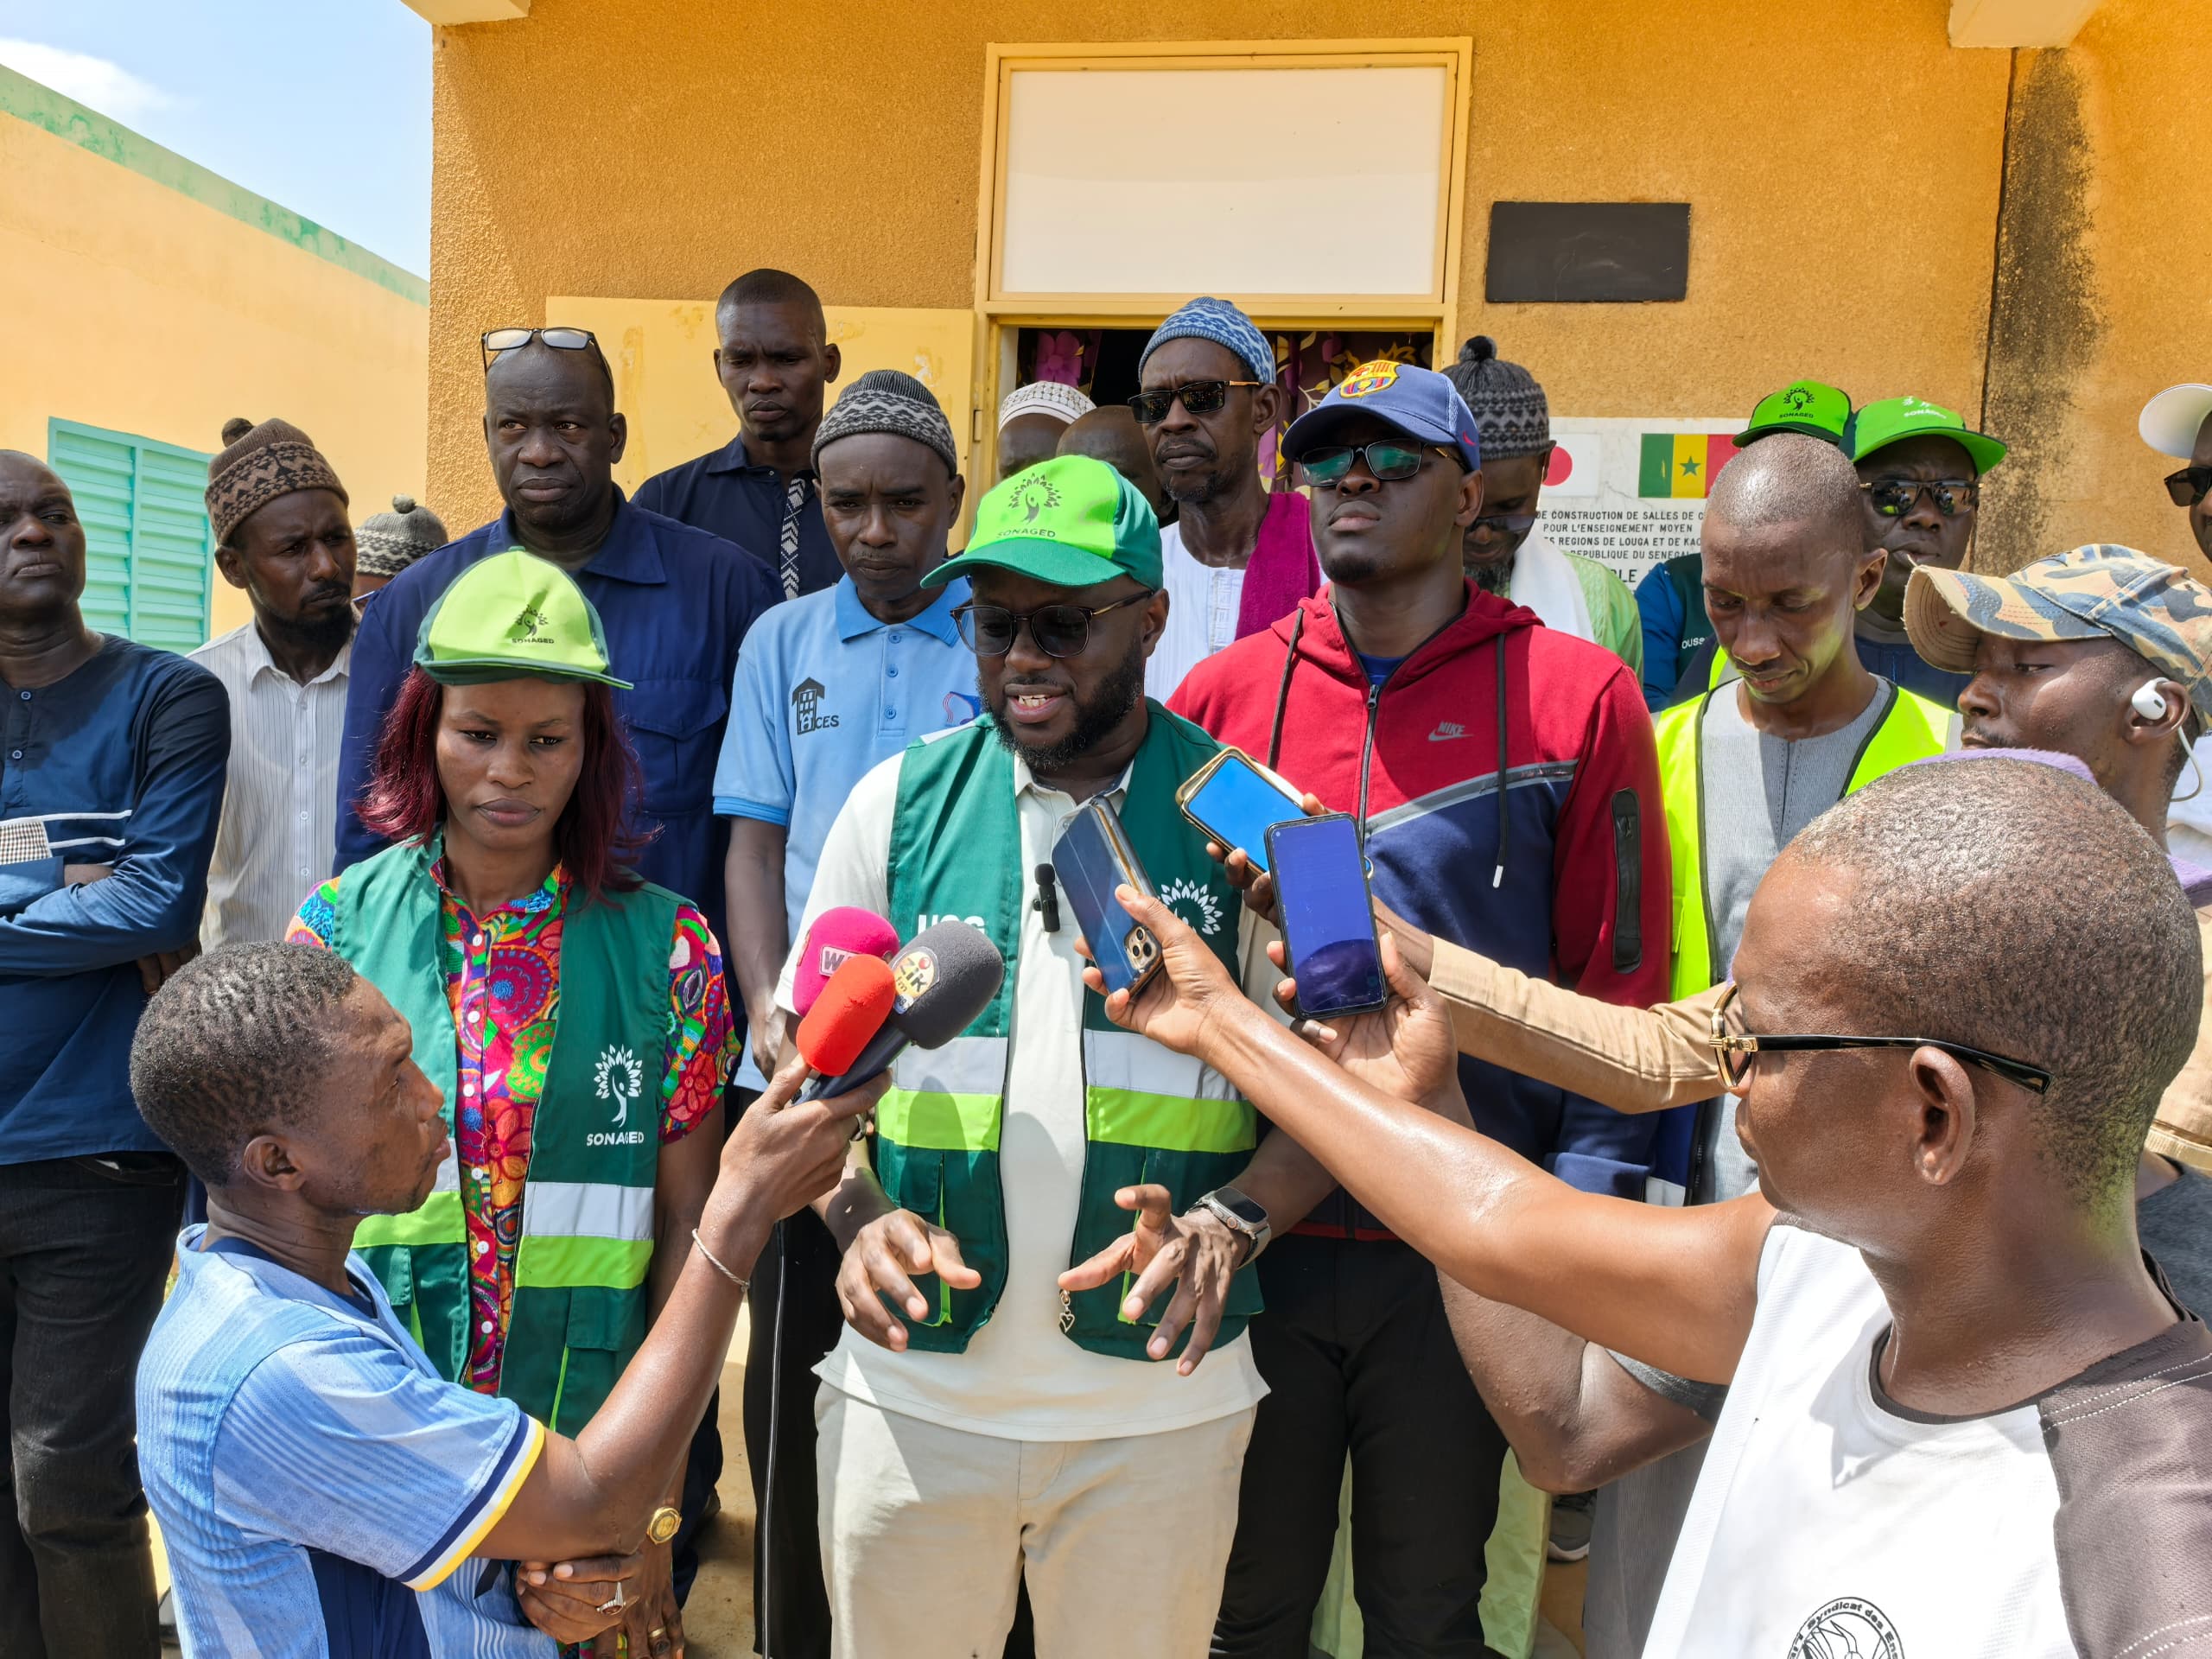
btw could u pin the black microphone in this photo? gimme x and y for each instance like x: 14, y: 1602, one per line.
x: 1047, y: 901
x: 943, y: 979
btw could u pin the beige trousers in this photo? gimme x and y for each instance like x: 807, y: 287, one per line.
x: 927, y: 1531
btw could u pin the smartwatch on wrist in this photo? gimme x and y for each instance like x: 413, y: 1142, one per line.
x: 1241, y: 1216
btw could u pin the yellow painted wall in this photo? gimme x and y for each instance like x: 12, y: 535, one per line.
x: 2141, y: 68
x: 660, y: 147
x: 130, y: 303
x: 662, y: 351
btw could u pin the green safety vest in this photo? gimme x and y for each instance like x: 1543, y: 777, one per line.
x: 1910, y: 729
x: 586, y: 1241
x: 1149, y: 1114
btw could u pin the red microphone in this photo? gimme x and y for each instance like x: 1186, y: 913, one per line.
x: 847, y: 931
x: 854, y: 1003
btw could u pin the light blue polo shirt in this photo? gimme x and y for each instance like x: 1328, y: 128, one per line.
x: 823, y: 692
x: 319, y: 1488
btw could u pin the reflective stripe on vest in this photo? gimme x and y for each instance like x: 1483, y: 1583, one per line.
x: 1910, y: 729
x: 1138, y: 1094
x: 584, y: 1233
x: 946, y: 1098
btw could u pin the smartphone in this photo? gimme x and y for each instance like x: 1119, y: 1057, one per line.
x: 1090, y: 860
x: 1328, y: 916
x: 1236, y: 801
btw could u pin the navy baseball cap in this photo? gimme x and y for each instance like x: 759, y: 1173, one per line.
x: 1418, y: 401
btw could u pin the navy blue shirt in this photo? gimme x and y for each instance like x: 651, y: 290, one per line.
x: 120, y: 763
x: 726, y: 495
x: 1901, y: 665
x: 676, y: 602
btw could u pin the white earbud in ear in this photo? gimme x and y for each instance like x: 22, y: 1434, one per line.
x: 2149, y: 702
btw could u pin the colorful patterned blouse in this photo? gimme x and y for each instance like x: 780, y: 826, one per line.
x: 503, y: 981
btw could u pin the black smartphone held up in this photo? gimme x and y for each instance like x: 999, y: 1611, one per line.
x: 1328, y: 916
x: 1090, y: 859
x: 1234, y: 800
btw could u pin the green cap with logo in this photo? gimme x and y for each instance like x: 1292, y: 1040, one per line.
x: 513, y: 615
x: 1895, y: 419
x: 1813, y: 407
x: 1070, y: 522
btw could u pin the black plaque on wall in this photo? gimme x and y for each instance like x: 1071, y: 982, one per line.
x: 1586, y: 252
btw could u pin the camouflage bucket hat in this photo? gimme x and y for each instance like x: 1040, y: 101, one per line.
x: 2101, y: 591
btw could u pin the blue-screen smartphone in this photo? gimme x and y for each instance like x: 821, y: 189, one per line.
x: 1235, y: 804
x: 1328, y: 917
x: 1091, y: 858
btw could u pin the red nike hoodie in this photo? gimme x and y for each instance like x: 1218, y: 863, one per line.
x: 1563, y: 872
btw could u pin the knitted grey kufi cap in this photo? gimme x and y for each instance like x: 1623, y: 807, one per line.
x: 1511, y: 416
x: 884, y: 400
x: 387, y: 542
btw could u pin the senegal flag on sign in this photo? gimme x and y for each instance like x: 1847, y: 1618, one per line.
x: 1682, y: 463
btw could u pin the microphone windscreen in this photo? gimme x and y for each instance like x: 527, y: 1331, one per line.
x: 946, y: 977
x: 847, y: 931
x: 854, y: 1003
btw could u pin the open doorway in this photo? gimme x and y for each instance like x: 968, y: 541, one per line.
x: 1101, y: 362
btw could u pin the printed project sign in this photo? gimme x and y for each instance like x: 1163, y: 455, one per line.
x: 1630, y: 493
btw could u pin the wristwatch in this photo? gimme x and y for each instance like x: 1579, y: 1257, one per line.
x: 1241, y: 1216
x: 666, y: 1522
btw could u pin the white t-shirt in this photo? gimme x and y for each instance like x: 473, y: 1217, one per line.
x: 1020, y: 1378
x: 1831, y: 1521
x: 1203, y: 601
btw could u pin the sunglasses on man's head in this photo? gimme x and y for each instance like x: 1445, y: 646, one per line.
x: 1058, y: 629
x: 1388, y: 459
x: 499, y: 340
x: 2189, y: 486
x: 1199, y: 397
x: 1893, y: 498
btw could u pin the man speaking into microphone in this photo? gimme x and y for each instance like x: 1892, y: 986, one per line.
x: 991, y: 1411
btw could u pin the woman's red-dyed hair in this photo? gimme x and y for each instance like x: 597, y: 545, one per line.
x: 405, y: 801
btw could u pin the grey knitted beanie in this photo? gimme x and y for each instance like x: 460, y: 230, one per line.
x: 1511, y: 417
x: 884, y: 400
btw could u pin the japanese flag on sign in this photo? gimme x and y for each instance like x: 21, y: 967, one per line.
x: 1576, y: 464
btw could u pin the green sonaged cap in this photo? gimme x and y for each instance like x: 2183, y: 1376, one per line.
x: 511, y: 615
x: 1895, y: 419
x: 1812, y: 407
x: 1070, y: 522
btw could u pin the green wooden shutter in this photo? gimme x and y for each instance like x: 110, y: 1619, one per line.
x: 149, y: 551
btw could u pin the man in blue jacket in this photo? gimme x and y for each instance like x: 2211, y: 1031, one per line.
x: 673, y: 599
x: 112, y: 757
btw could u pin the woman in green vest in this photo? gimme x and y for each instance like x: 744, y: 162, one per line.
x: 574, y: 1015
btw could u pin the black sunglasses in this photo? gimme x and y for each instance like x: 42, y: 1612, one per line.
x: 2187, y: 486
x: 1199, y: 397
x: 1893, y: 498
x: 1388, y: 459
x: 1737, y: 1052
x: 1505, y: 524
x: 1058, y: 629
x: 497, y: 340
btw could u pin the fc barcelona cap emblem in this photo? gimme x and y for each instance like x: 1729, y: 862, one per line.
x: 1368, y: 378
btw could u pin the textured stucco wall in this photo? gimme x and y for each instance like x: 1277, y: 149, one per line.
x: 1843, y: 162
x: 2104, y: 294
x: 149, y: 305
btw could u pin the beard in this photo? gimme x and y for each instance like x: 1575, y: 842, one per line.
x: 1493, y: 575
x: 1094, y: 719
x: 317, y: 633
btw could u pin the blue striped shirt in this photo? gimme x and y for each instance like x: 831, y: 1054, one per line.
x: 320, y: 1489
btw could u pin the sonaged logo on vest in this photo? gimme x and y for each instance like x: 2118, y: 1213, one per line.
x: 1847, y: 1628
x: 621, y: 1080
x: 1194, y: 902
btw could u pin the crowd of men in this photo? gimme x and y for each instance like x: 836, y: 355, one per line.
x: 1134, y: 1323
